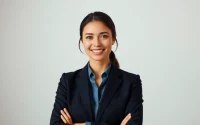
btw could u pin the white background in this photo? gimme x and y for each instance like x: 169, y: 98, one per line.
x: 158, y: 39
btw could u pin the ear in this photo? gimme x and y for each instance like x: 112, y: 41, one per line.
x: 81, y: 41
x: 113, y: 42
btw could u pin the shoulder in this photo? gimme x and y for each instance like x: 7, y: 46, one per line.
x: 70, y: 75
x: 131, y: 77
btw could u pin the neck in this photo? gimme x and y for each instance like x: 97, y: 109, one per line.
x: 98, y: 67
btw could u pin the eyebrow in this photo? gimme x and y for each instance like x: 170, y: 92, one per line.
x: 99, y: 33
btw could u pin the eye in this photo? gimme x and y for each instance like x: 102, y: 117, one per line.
x: 88, y: 37
x: 104, y: 36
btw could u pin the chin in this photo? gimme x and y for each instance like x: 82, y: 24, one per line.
x: 98, y: 58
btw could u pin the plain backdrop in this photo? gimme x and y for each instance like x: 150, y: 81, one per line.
x: 158, y: 39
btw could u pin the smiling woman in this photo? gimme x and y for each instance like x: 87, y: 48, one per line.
x: 97, y: 44
x: 100, y: 93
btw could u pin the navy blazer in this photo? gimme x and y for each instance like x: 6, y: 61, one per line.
x: 122, y: 95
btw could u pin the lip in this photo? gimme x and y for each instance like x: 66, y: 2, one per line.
x: 97, y: 52
x: 98, y: 49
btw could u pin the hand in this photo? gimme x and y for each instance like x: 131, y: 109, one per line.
x: 65, y: 116
x: 126, y: 119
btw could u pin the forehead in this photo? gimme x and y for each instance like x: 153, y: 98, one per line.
x: 95, y: 27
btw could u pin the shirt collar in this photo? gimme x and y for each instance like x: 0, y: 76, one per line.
x: 106, y: 72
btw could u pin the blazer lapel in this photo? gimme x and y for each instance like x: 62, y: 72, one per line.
x: 84, y: 89
x: 113, y: 83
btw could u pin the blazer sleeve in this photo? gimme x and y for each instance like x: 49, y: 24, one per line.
x: 135, y: 106
x: 60, y: 102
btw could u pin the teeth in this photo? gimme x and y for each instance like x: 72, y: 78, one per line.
x: 97, y: 51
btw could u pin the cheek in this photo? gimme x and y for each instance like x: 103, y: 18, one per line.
x: 108, y: 44
x: 86, y: 45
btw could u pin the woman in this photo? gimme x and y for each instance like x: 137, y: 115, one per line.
x: 100, y: 93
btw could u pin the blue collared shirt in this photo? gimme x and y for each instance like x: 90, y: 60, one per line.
x: 97, y: 92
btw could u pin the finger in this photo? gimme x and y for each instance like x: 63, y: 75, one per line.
x: 126, y: 119
x: 65, y: 116
x: 63, y: 119
x: 67, y: 113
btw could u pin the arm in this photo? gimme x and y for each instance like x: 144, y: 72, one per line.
x: 135, y: 106
x: 65, y: 116
x: 60, y: 102
x: 124, y: 121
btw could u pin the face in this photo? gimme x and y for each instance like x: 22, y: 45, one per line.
x: 97, y: 41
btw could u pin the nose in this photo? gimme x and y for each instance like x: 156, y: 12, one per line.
x: 96, y: 42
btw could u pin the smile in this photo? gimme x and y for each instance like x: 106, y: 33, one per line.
x: 98, y: 51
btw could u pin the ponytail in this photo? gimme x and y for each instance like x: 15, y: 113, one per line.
x: 114, y: 59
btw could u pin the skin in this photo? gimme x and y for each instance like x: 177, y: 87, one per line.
x: 66, y: 118
x: 95, y: 36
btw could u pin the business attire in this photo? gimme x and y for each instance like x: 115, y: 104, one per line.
x: 119, y: 93
x: 97, y: 92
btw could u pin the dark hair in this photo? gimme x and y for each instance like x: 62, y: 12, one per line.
x: 103, y: 17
